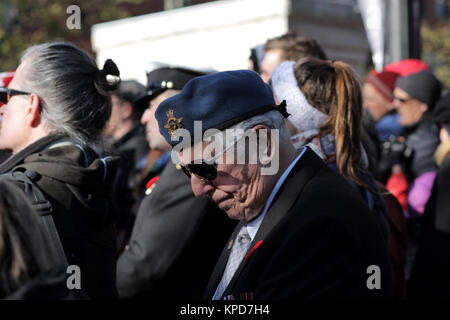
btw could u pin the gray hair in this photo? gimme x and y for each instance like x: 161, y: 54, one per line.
x: 272, y: 119
x: 73, y: 92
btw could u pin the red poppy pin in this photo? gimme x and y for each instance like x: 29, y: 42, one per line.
x: 150, y: 185
x: 253, y: 249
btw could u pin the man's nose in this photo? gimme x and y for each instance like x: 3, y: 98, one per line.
x: 395, y: 103
x: 365, y: 104
x: 200, y: 187
x: 144, y: 117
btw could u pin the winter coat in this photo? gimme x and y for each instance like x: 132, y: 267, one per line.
x: 78, y: 185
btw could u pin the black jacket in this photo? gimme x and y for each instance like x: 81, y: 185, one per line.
x: 316, y: 241
x: 132, y: 148
x: 78, y: 185
x: 422, y: 140
x: 48, y: 285
x: 430, y: 276
x: 175, y: 242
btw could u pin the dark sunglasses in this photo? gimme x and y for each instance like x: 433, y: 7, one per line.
x: 204, y: 171
x: 207, y: 171
x: 7, y: 93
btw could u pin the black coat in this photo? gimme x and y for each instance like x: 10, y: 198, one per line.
x: 78, y: 186
x: 315, y: 242
x: 430, y: 275
x: 422, y: 140
x: 48, y: 285
x: 132, y: 148
x: 175, y: 242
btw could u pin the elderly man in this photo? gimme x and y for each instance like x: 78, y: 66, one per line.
x: 303, y: 233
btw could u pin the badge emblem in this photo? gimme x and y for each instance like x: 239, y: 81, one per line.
x: 173, y: 123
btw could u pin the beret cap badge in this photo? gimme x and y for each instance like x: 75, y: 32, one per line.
x: 173, y: 123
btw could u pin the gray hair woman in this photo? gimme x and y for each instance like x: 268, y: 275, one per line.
x: 54, y: 108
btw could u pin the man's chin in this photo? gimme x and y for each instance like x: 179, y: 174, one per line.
x: 234, y: 214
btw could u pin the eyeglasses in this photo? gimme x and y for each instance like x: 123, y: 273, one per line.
x: 7, y: 93
x: 207, y: 171
x: 402, y: 100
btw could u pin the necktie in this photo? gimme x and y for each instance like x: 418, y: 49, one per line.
x: 240, y: 247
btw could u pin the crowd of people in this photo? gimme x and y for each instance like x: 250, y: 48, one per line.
x: 92, y: 175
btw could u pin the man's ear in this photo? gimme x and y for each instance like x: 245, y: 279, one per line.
x: 126, y: 110
x: 34, y: 111
x: 264, y: 136
x: 423, y: 107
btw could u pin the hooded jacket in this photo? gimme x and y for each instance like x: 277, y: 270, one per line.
x: 78, y: 185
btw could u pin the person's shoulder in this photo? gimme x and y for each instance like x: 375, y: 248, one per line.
x: 173, y: 174
x: 170, y: 181
x: 134, y: 139
x: 426, y: 128
x: 329, y: 196
x: 328, y: 181
x: 444, y: 169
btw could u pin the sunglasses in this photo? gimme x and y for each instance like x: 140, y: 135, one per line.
x: 207, y: 171
x: 7, y: 93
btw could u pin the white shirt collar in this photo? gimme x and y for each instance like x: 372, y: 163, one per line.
x: 253, y: 226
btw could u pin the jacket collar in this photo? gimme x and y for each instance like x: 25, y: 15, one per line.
x: 36, y: 146
x: 425, y: 119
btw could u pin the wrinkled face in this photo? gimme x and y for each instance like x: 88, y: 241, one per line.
x: 272, y: 58
x: 409, y: 110
x: 14, y: 128
x: 374, y: 102
x: 239, y: 189
x: 154, y: 138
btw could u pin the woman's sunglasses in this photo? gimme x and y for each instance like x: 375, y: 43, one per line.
x: 206, y: 171
x: 7, y: 93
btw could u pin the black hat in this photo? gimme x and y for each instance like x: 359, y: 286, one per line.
x: 129, y: 90
x: 423, y: 86
x: 165, y: 78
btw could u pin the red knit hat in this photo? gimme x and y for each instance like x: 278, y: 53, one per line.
x: 5, y: 79
x: 407, y: 67
x: 383, y: 82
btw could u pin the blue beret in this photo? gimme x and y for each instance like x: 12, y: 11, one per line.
x: 219, y: 100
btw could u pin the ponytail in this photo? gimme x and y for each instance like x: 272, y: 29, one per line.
x: 347, y: 130
x: 333, y: 88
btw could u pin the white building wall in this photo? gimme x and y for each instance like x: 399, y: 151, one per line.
x: 217, y: 34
